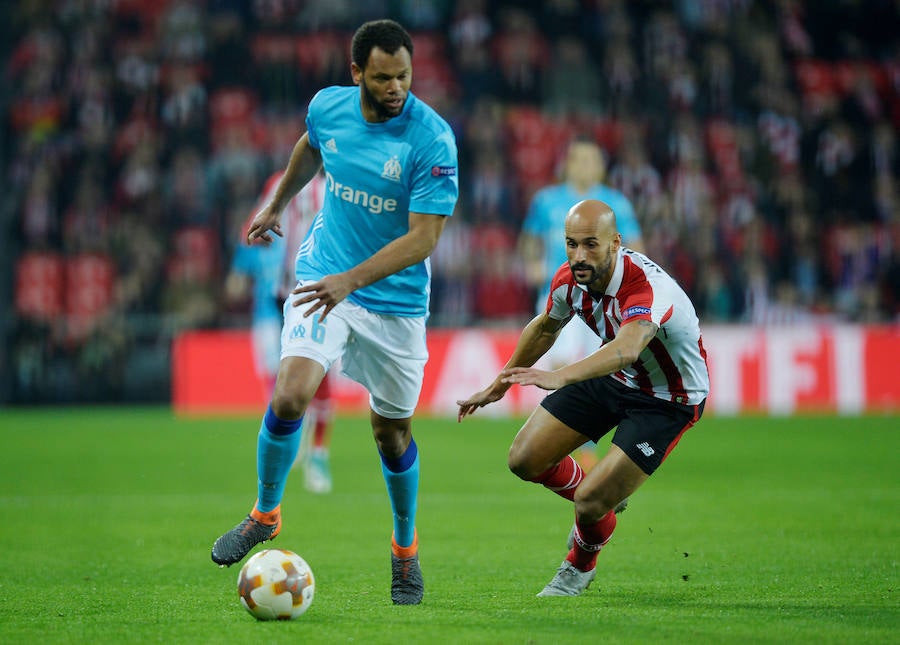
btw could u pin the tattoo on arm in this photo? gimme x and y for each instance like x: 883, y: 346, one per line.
x: 649, y: 328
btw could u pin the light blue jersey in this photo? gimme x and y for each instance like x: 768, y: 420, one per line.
x: 546, y: 220
x: 264, y: 265
x: 376, y: 173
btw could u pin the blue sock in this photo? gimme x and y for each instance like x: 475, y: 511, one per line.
x: 402, y: 478
x: 276, y: 450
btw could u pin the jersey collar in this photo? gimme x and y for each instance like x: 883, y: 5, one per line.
x: 618, y: 272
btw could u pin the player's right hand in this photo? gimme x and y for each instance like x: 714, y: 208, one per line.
x: 479, y: 400
x: 266, y: 220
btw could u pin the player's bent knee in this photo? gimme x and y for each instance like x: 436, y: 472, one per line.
x: 521, y: 466
x: 391, y: 435
x: 517, y: 469
x: 592, y: 504
x: 590, y: 510
x: 288, y: 406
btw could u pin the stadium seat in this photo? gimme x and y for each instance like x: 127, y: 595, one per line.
x: 526, y: 124
x: 608, y: 133
x: 40, y: 285
x: 847, y: 72
x: 314, y: 51
x: 721, y: 141
x: 90, y: 286
x: 270, y: 48
x: 194, y: 256
x: 430, y: 45
x: 817, y: 83
x: 232, y: 106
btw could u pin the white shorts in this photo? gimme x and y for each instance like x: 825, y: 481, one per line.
x: 384, y: 354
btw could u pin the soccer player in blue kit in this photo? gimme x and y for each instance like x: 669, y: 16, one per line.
x: 267, y: 270
x: 390, y: 164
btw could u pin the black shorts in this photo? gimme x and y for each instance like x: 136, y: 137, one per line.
x: 648, y: 427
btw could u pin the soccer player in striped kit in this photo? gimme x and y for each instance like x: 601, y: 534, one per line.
x: 583, y: 173
x: 390, y: 165
x: 649, y: 380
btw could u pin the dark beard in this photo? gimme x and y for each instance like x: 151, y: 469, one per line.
x: 601, y: 272
x: 381, y: 112
x: 584, y: 267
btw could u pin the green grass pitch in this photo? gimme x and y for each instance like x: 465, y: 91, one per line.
x: 754, y: 531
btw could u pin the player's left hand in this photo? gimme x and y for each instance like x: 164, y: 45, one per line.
x: 531, y: 376
x: 324, y: 294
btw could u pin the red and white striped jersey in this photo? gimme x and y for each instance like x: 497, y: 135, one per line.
x: 673, y: 365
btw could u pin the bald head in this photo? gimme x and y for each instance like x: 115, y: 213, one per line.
x: 592, y: 216
x: 592, y: 243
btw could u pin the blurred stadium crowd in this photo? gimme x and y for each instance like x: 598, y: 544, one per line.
x: 757, y: 140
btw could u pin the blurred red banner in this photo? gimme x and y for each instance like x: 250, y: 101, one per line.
x: 777, y: 370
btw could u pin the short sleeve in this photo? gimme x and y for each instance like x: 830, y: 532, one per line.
x: 435, y: 185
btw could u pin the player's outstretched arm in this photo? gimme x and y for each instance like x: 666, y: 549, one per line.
x: 305, y: 161
x: 618, y: 354
x: 534, y: 341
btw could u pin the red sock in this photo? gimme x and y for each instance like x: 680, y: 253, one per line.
x: 321, y: 413
x: 589, y: 539
x: 320, y: 433
x: 563, y: 478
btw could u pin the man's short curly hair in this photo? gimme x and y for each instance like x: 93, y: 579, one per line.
x: 387, y: 35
